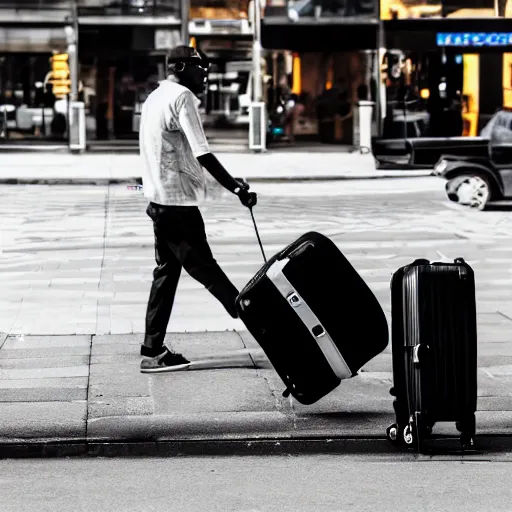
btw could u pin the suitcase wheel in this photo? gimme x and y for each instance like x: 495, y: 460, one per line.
x: 393, y: 433
x: 416, y: 432
x: 467, y: 428
x: 409, y: 433
x: 467, y: 441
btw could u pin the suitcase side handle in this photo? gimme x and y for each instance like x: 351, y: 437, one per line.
x: 420, y: 352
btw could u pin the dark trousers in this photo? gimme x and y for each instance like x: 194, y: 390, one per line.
x: 180, y: 242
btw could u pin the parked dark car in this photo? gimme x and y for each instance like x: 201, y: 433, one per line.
x: 478, y: 181
x: 415, y: 152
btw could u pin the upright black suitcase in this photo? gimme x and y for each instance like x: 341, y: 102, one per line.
x: 434, y: 345
x: 314, y: 317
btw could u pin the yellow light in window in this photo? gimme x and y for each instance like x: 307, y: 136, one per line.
x: 425, y: 94
x: 60, y: 57
x: 507, y: 80
x: 330, y: 76
x: 296, y: 74
x: 471, y: 90
x: 59, y: 75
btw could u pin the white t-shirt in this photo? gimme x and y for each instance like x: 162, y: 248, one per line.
x: 171, y: 137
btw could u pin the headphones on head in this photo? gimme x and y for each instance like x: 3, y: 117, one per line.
x: 199, y: 59
x: 179, y: 67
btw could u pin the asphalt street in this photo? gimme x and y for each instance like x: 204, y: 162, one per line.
x: 256, y: 484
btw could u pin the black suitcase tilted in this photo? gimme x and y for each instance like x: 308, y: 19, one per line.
x: 314, y: 317
x: 434, y: 345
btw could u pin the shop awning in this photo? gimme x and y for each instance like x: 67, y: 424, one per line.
x: 336, y: 35
x: 32, y: 40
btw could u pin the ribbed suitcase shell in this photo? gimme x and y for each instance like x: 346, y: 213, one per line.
x: 339, y: 298
x: 434, y: 343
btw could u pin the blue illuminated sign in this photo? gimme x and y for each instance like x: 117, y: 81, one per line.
x: 474, y: 39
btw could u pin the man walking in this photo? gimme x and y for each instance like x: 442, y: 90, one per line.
x: 174, y: 151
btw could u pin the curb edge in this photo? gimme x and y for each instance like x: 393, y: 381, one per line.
x: 132, y: 181
x: 487, y: 447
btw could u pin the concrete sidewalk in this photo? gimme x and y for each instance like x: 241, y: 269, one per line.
x: 65, y: 168
x: 65, y: 395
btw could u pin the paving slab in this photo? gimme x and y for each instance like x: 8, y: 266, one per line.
x: 36, y: 363
x: 41, y: 353
x: 57, y: 382
x: 495, y: 403
x: 44, y: 373
x: 120, y: 406
x: 129, y: 370
x: 221, y: 390
x: 36, y: 342
x: 115, y: 388
x: 43, y: 394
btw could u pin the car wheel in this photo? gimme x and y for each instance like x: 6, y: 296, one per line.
x: 469, y: 190
x: 452, y: 186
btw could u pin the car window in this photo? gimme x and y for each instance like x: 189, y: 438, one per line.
x: 501, y: 131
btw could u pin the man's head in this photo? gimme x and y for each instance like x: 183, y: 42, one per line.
x: 190, y: 67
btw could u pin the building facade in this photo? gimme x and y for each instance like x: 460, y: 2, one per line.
x: 447, y: 65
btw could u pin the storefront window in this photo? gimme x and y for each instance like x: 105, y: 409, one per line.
x: 114, y: 91
x: 219, y: 9
x: 404, y: 9
x: 428, y: 94
x: 313, y: 97
x: 29, y: 109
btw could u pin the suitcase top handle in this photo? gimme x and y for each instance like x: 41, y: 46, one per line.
x: 422, y: 261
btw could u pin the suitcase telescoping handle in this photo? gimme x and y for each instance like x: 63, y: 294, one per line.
x: 258, y: 235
